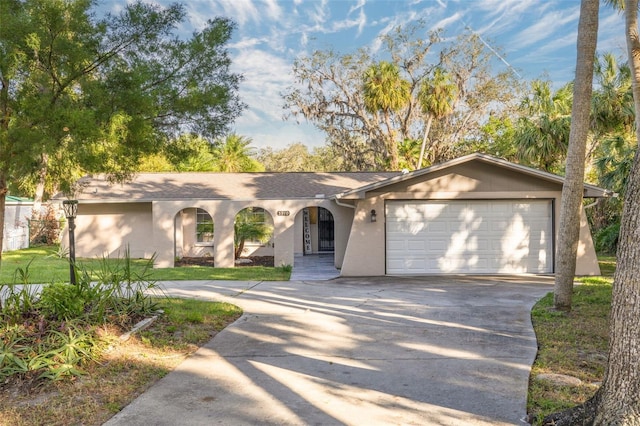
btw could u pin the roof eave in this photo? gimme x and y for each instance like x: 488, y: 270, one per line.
x: 591, y: 191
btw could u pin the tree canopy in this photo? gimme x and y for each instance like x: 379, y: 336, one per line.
x: 297, y: 158
x: 80, y: 94
x: 372, y: 111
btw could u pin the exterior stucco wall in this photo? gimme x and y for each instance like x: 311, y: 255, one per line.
x: 167, y: 228
x: 365, y: 254
x: 107, y: 230
x: 476, y: 177
x: 586, y: 260
x: 168, y: 223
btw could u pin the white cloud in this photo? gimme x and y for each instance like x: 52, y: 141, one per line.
x: 508, y: 8
x: 544, y: 28
x: 273, y: 9
x: 449, y: 20
x: 319, y: 13
x: 362, y: 21
x: 248, y: 42
x: 266, y: 76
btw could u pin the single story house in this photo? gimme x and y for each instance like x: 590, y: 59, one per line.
x: 476, y: 214
x: 17, y: 212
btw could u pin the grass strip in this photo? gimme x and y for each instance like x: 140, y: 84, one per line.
x: 570, y: 343
x: 46, y: 264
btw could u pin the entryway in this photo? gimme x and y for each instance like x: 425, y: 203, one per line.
x: 314, y: 267
x: 317, y: 230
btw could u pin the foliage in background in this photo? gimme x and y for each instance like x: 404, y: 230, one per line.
x: 360, y: 125
x: 46, y: 230
x: 192, y: 153
x: 297, y: 158
x: 233, y: 153
x: 542, y: 132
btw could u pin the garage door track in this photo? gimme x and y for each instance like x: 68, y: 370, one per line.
x: 374, y: 351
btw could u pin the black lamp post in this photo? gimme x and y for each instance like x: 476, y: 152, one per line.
x: 71, y: 211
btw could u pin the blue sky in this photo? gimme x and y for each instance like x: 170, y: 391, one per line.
x: 537, y: 39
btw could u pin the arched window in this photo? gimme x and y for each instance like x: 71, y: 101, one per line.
x: 204, y: 227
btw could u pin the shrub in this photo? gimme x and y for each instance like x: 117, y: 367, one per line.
x: 606, y: 239
x: 53, y: 332
x: 46, y: 230
x: 61, y: 301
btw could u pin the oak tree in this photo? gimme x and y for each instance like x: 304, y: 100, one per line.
x: 82, y: 95
x: 369, y: 107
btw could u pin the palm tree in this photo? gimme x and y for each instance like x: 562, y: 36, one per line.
x: 408, y: 150
x: 234, y: 154
x: 385, y: 90
x: 572, y: 190
x: 616, y: 401
x: 617, y: 398
x: 249, y: 226
x: 437, y: 98
x: 542, y: 134
x: 612, y: 105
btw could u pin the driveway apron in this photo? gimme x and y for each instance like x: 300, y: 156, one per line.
x: 366, y: 351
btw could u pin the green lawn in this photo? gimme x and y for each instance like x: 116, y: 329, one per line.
x: 572, y: 343
x: 46, y: 267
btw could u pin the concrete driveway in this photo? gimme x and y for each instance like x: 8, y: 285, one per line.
x: 366, y: 351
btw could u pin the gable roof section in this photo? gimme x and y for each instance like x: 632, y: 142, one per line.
x: 590, y: 191
x: 145, y: 187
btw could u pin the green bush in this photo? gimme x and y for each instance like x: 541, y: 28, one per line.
x: 51, y: 332
x: 606, y: 239
x: 61, y: 301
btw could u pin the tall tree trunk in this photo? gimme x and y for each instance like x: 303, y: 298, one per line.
x: 3, y: 200
x: 427, y: 129
x: 392, y: 146
x: 40, y: 186
x: 620, y: 400
x: 572, y: 191
x: 617, y: 402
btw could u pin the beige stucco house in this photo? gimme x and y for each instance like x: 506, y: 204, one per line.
x: 473, y: 215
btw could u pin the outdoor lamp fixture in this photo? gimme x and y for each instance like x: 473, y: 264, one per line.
x: 70, y: 208
x: 374, y: 217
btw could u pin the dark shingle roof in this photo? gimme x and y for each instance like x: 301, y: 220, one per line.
x: 226, y: 186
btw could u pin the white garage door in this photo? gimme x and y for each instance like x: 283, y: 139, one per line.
x: 484, y: 237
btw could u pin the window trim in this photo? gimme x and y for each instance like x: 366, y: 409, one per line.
x: 201, y: 213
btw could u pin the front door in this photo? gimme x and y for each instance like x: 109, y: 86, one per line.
x: 325, y: 230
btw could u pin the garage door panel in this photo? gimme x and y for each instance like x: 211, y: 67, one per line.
x: 396, y: 245
x: 501, y: 236
x: 416, y: 245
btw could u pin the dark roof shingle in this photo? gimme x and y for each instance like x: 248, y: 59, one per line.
x: 226, y: 186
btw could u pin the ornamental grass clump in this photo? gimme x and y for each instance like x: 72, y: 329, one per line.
x: 50, y: 331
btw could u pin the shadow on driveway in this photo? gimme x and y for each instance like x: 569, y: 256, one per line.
x: 374, y: 351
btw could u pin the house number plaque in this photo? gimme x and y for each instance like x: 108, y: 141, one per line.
x: 283, y: 212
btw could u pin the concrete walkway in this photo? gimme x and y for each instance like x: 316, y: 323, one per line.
x: 377, y: 351
x: 314, y: 267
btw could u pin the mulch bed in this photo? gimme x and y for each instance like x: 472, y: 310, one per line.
x: 208, y: 261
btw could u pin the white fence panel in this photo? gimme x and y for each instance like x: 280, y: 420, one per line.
x: 16, y: 238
